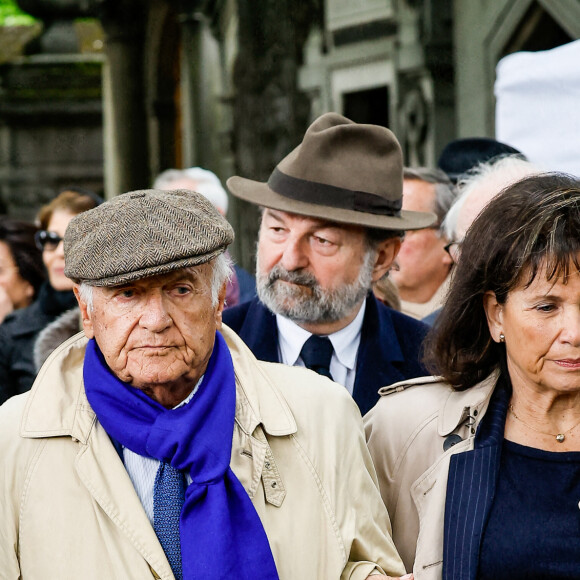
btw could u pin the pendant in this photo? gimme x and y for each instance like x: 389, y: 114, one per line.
x: 560, y: 437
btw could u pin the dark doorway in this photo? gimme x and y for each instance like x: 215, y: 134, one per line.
x: 537, y: 31
x: 368, y: 106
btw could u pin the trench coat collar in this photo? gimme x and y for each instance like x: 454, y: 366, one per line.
x: 269, y: 409
x: 462, y: 405
x: 458, y: 406
x: 50, y: 414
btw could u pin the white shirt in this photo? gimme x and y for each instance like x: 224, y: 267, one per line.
x: 142, y: 470
x: 345, y: 343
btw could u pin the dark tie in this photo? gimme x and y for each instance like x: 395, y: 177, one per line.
x: 316, y: 354
x: 168, y: 498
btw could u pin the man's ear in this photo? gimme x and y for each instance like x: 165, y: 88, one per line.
x: 220, y: 306
x: 86, y: 314
x: 387, y: 251
x: 447, y: 259
x: 494, y: 313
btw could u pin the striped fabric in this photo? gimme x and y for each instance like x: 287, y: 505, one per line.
x: 470, y: 491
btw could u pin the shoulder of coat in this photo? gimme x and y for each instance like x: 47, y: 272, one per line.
x: 432, y: 382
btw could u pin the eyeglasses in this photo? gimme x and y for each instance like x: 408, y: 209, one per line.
x: 454, y: 250
x: 47, y: 240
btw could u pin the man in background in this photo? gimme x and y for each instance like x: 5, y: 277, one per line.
x: 481, y: 185
x: 331, y: 226
x: 424, y: 267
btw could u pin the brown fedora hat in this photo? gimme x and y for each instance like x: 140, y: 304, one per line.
x: 342, y: 171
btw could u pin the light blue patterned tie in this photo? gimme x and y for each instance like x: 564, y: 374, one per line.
x: 168, y: 498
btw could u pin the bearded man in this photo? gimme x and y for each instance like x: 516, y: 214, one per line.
x: 157, y: 447
x: 332, y: 225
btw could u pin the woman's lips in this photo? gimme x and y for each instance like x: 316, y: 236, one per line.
x: 573, y: 363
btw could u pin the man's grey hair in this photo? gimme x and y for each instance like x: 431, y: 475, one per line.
x: 499, y: 172
x: 222, y: 272
x: 206, y: 182
x: 445, y: 191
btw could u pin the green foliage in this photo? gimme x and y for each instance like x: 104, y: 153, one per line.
x: 11, y: 15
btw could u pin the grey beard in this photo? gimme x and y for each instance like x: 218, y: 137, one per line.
x: 309, y: 302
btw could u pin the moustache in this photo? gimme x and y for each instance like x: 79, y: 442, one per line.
x: 303, y: 278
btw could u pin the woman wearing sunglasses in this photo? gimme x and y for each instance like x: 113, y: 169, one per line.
x: 19, y: 330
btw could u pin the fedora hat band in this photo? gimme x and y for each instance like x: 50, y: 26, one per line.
x: 331, y: 196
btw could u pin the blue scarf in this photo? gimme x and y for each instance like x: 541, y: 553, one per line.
x: 221, y: 533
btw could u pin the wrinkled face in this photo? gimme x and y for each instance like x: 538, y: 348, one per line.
x: 157, y: 332
x: 541, y: 325
x: 312, y: 270
x: 19, y: 291
x: 54, y: 259
x: 422, y: 261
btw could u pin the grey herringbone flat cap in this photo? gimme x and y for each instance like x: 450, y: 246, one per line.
x: 141, y: 234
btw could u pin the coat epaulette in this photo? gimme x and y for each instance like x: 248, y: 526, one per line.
x: 404, y: 385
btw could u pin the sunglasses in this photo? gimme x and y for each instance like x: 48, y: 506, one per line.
x: 47, y: 240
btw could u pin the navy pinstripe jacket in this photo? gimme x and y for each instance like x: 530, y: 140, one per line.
x: 470, y: 491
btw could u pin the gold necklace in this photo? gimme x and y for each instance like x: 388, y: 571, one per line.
x: 558, y: 436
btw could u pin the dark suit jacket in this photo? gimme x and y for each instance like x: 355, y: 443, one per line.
x: 389, y: 350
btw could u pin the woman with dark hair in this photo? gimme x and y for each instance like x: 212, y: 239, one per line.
x: 480, y: 466
x: 19, y: 330
x: 21, y: 268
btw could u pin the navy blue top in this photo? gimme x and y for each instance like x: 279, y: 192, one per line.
x: 533, y: 530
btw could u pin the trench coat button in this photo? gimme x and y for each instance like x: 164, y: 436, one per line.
x: 267, y: 465
x: 274, y: 484
x: 450, y: 441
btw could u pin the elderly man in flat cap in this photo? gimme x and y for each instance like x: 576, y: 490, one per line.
x: 331, y: 226
x: 158, y: 447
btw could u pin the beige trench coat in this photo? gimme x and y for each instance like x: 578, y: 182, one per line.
x: 406, y: 432
x: 69, y: 510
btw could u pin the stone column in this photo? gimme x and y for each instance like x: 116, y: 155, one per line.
x: 124, y: 94
x: 270, y: 112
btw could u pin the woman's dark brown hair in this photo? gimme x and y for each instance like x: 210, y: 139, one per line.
x: 532, y: 224
x: 19, y: 237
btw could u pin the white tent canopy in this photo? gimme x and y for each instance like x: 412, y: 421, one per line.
x: 538, y: 106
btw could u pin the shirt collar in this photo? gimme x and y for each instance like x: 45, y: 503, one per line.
x: 190, y: 396
x: 345, y: 341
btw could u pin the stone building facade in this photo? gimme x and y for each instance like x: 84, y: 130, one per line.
x: 231, y: 85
